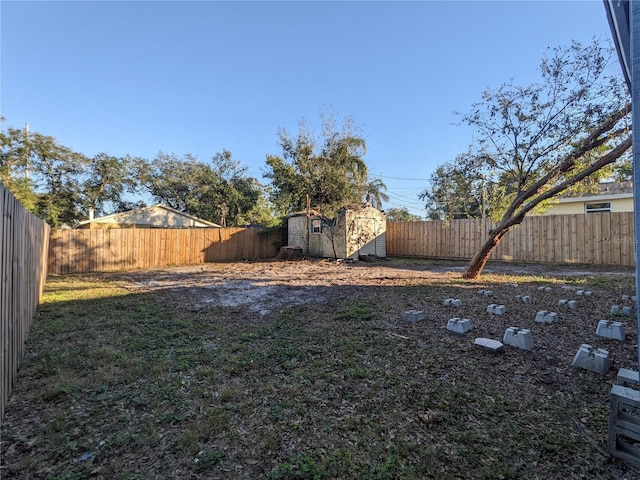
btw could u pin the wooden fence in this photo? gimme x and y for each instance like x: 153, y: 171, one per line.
x: 83, y: 251
x: 23, y: 262
x: 593, y: 238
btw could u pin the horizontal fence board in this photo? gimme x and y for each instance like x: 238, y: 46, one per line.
x: 602, y: 238
x: 97, y: 250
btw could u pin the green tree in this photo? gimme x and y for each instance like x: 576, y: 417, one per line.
x: 537, y: 142
x: 402, y: 214
x: 456, y: 190
x: 218, y: 191
x: 330, y: 171
x: 57, y: 172
x: 109, y: 180
x: 14, y: 166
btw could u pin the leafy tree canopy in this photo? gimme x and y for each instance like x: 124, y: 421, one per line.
x: 218, y: 191
x: 330, y: 170
x: 536, y: 142
x: 402, y: 214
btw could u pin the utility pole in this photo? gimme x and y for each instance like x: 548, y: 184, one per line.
x: 27, y: 150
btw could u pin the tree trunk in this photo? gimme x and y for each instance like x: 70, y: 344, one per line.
x: 482, y: 257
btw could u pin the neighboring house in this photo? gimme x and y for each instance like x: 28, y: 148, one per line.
x: 155, y: 216
x: 612, y: 197
x: 357, y: 230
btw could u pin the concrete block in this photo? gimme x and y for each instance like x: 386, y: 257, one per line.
x: 625, y: 298
x: 520, y: 338
x: 459, y: 325
x: 609, y: 329
x: 544, y: 316
x: 486, y: 293
x: 496, y: 309
x: 594, y: 360
x: 453, y: 302
x: 624, y: 424
x: 618, y: 310
x: 414, y: 316
x: 545, y: 289
x: 493, y: 346
x: 586, y: 293
x: 523, y: 298
x: 568, y: 303
x: 628, y: 378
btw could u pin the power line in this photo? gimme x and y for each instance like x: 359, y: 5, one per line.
x: 402, y: 178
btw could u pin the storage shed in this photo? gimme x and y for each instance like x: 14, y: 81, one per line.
x: 357, y: 230
x: 155, y: 216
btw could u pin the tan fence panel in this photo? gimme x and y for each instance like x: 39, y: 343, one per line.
x: 23, y: 270
x: 594, y: 238
x: 83, y: 251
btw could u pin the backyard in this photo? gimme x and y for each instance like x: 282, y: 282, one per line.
x: 308, y: 370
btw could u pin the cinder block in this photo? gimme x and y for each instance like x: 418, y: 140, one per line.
x: 594, y: 360
x: 624, y: 424
x: 453, y: 302
x: 544, y: 316
x: 562, y: 302
x: 524, y: 298
x: 486, y: 293
x: 496, y: 309
x: 586, y: 293
x: 493, y: 346
x: 628, y: 378
x: 414, y: 316
x: 459, y: 325
x: 571, y: 304
x: 520, y: 338
x: 625, y: 298
x: 580, y: 292
x: 609, y: 329
x: 618, y: 310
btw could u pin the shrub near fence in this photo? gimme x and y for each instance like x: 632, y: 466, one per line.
x: 102, y: 250
x: 23, y: 262
x: 593, y: 238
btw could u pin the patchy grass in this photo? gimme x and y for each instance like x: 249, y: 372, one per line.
x: 121, y: 385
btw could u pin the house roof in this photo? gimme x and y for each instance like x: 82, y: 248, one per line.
x: 115, y: 216
x: 606, y: 190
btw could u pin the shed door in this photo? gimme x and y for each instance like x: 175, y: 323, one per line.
x: 368, y: 242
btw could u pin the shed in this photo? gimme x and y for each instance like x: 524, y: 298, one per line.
x: 155, y: 216
x: 357, y: 230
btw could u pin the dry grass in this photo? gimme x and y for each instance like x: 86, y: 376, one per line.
x: 124, y: 383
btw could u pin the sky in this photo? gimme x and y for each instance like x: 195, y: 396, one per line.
x: 198, y: 77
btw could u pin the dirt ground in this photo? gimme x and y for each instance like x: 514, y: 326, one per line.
x: 263, y: 288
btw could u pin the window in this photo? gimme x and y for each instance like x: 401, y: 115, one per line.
x: 316, y: 226
x: 597, y: 207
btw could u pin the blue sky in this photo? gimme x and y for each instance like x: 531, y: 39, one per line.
x: 198, y: 77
